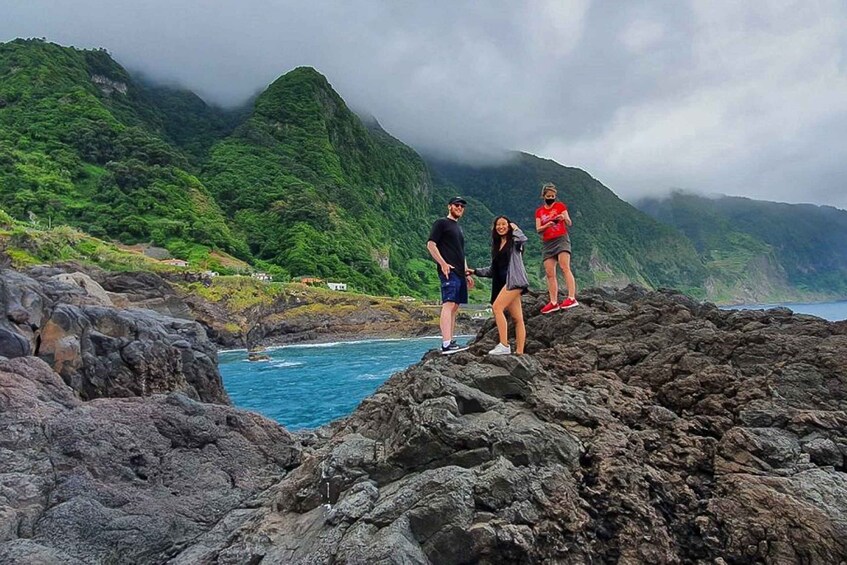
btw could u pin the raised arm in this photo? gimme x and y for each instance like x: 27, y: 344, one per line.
x: 518, y: 236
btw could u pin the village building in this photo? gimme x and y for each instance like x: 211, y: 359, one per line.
x: 337, y: 285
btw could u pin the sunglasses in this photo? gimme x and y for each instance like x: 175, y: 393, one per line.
x: 458, y: 205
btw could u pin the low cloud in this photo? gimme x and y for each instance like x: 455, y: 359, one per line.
x: 738, y: 98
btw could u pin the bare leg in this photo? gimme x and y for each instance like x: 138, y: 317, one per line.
x: 453, y: 320
x: 552, y: 283
x: 565, y: 264
x: 502, y: 302
x: 516, y: 312
x: 448, y: 317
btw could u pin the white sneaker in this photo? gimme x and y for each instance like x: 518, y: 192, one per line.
x: 500, y: 349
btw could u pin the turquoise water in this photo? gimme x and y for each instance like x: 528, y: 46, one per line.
x: 306, y: 386
x: 832, y: 311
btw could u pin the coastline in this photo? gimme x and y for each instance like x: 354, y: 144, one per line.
x: 330, y: 343
x: 320, y: 338
x: 832, y: 310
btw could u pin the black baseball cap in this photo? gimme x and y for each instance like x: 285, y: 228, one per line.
x: 458, y: 200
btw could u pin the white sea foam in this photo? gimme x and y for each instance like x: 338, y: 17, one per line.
x: 281, y: 364
x: 351, y: 342
x: 370, y: 377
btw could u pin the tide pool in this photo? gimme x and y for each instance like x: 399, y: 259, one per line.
x: 306, y: 386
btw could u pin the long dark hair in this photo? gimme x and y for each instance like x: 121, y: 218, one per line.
x: 495, y: 237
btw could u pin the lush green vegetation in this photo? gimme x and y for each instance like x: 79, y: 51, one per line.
x: 613, y: 243
x: 315, y: 191
x: 79, y: 145
x: 803, y: 246
x: 27, y: 243
x: 296, y: 184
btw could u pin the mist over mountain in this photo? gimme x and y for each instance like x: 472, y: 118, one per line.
x: 299, y: 185
x: 754, y: 248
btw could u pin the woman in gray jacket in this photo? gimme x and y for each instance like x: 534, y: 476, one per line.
x: 509, y: 282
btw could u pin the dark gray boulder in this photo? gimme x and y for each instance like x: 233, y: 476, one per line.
x: 129, y: 480
x: 103, y: 351
x: 642, y: 427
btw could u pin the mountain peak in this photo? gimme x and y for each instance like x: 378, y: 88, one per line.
x: 303, y: 88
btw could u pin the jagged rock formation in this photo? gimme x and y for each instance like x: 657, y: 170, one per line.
x: 121, y: 480
x: 290, y: 317
x: 640, y: 428
x: 102, y: 351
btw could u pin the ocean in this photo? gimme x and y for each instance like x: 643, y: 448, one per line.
x: 832, y: 311
x: 306, y: 386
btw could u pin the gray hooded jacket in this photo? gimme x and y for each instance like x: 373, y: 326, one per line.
x: 516, y: 274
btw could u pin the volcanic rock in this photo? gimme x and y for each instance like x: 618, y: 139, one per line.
x: 128, y: 480
x: 640, y: 427
x: 103, y: 351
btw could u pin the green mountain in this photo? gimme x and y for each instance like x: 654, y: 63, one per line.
x: 82, y: 144
x: 297, y: 184
x: 761, y: 251
x: 613, y: 242
x: 317, y: 192
x: 188, y: 122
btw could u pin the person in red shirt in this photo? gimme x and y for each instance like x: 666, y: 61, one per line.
x: 552, y: 222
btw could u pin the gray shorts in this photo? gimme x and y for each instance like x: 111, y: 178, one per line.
x: 552, y: 247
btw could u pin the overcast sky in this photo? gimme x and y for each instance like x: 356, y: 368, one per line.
x: 733, y: 97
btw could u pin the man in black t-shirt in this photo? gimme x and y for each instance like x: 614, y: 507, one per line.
x: 447, y: 246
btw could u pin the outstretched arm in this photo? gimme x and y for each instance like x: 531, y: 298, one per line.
x: 482, y: 272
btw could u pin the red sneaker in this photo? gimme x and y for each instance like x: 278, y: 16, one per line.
x: 568, y: 303
x: 549, y: 307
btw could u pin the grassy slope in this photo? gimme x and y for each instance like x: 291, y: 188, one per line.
x: 239, y: 296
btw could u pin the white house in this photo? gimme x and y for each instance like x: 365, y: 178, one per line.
x: 175, y: 262
x: 261, y: 276
x: 337, y: 286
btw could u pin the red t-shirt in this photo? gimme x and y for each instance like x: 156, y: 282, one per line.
x: 546, y: 214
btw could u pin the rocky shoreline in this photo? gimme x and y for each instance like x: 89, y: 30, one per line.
x: 641, y: 427
x: 293, y: 317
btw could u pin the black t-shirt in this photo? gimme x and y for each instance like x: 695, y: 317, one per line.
x: 450, y: 240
